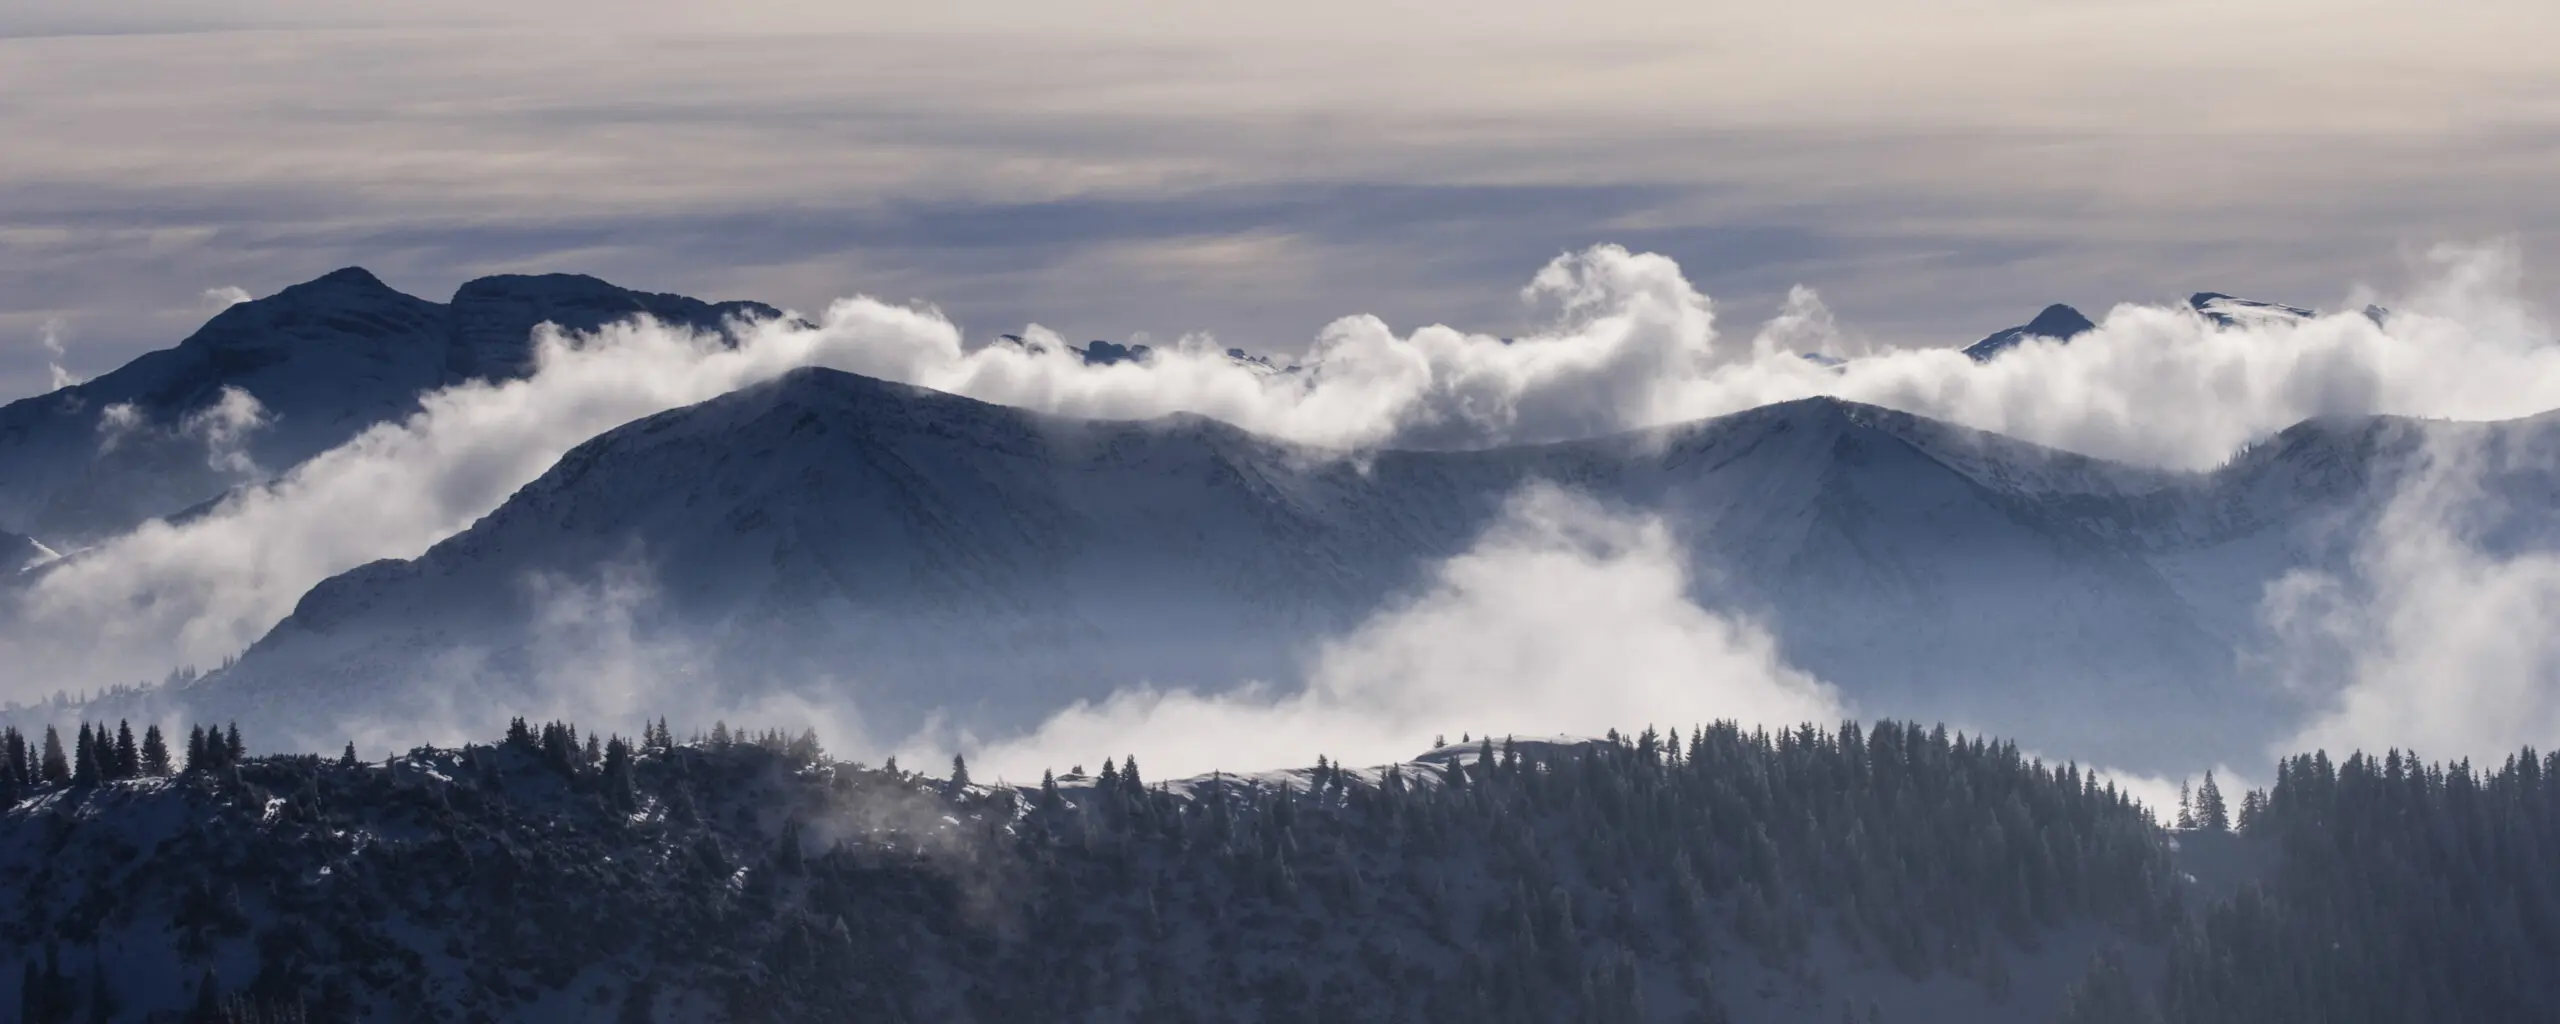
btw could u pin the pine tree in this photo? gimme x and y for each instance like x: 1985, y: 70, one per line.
x: 84, y: 756
x: 2252, y: 804
x: 155, y: 752
x: 128, y: 756
x: 959, y: 773
x: 347, y: 758
x: 2210, y: 811
x: 13, y: 756
x: 617, y: 767
x: 2186, y: 808
x: 199, y: 751
x: 232, y: 749
x: 13, y: 782
x: 57, y: 768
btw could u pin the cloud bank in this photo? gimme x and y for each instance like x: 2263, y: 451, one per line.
x: 1631, y: 343
x: 1565, y: 617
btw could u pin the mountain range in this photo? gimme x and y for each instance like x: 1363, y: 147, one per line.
x: 917, y: 556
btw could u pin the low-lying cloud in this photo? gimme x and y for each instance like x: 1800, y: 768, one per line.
x: 1565, y: 617
x: 2438, y: 636
x: 1632, y: 344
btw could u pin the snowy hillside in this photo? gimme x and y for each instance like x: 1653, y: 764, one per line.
x: 322, y: 360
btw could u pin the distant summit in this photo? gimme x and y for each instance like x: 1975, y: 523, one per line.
x: 2057, y: 321
x: 2230, y: 311
x: 324, y: 359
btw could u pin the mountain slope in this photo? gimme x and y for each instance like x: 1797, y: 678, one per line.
x: 903, y: 552
x: 323, y: 360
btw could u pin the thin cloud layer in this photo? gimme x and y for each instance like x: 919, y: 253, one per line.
x: 1565, y: 617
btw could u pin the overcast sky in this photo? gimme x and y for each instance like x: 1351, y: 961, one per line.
x: 1109, y: 169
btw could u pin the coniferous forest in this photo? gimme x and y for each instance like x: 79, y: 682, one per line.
x: 1884, y: 873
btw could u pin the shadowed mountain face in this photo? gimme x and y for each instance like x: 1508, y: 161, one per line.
x: 323, y: 360
x: 901, y: 551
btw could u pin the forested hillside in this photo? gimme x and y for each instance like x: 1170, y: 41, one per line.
x: 1885, y: 873
x: 2404, y: 891
x: 1722, y: 875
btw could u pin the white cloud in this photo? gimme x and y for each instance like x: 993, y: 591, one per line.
x: 2435, y: 638
x: 49, y: 337
x: 224, y: 426
x: 1633, y: 344
x: 226, y: 296
x: 1565, y: 617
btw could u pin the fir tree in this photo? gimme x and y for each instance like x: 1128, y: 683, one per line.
x: 959, y: 773
x: 232, y: 749
x: 128, y: 756
x: 56, y: 769
x: 155, y: 752
x: 2210, y: 811
x: 347, y: 757
x: 84, y: 768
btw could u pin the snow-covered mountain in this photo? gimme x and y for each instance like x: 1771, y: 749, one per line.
x: 903, y: 551
x: 322, y: 361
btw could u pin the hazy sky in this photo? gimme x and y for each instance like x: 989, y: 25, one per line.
x: 1114, y: 168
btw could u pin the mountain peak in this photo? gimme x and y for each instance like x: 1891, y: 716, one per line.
x: 2057, y: 321
x: 350, y: 276
x: 2232, y: 311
